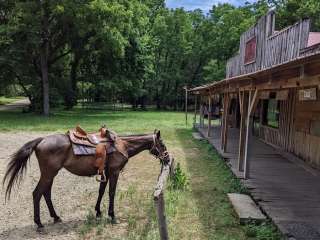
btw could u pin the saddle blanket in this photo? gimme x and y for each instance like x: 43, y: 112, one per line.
x: 85, y: 150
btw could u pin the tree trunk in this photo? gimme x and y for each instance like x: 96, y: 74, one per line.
x: 71, y: 96
x: 44, y: 51
x: 45, y: 84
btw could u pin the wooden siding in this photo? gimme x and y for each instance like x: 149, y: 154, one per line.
x: 269, y: 135
x: 273, y: 48
x: 282, y: 136
x: 306, y: 144
x: 294, y: 133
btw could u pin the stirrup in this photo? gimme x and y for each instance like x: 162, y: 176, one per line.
x: 103, y: 177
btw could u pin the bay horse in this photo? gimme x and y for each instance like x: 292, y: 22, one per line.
x: 55, y: 152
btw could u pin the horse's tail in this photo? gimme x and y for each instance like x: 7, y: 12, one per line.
x: 18, y: 164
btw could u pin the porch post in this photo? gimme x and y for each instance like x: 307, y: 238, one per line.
x: 243, y: 100
x: 209, y: 116
x: 253, y: 100
x: 222, y: 119
x: 186, y: 104
x: 225, y: 123
x: 202, y: 113
x: 195, y: 111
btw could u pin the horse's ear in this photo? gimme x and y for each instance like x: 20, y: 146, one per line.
x: 158, y: 134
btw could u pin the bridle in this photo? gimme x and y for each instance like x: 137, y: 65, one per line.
x: 161, y: 155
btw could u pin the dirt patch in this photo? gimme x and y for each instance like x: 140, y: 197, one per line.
x: 19, y: 104
x: 73, y: 197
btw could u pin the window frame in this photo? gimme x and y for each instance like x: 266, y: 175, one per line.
x: 253, y: 60
x: 265, y: 109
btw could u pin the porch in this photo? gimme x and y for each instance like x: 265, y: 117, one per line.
x: 284, y: 186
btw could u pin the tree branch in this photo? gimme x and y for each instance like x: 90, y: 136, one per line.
x: 24, y: 87
x: 52, y: 61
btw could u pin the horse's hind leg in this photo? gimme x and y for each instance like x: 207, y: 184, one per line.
x: 102, y: 189
x: 47, y: 196
x: 41, y: 188
x: 113, y: 180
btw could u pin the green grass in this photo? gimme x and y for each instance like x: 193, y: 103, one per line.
x: 202, y: 211
x: 5, y: 100
x: 125, y: 121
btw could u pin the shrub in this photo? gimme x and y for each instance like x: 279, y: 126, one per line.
x: 178, y: 180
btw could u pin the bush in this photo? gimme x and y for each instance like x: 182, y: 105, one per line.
x: 12, y: 90
x: 178, y: 180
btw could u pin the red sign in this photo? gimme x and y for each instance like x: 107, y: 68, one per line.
x: 250, y: 51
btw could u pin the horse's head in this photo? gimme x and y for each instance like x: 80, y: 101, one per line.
x: 159, y: 149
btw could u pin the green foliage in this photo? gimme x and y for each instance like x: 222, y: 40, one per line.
x: 291, y: 11
x: 91, y: 222
x: 12, y: 90
x: 263, y: 231
x: 178, y: 180
x: 132, y: 51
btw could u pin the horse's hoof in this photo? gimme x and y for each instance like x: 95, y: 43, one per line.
x: 114, y: 221
x: 98, y: 215
x: 57, y: 220
x: 40, y: 228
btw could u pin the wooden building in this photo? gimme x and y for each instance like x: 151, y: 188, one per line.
x: 271, y: 91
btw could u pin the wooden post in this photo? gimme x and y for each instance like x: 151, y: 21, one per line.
x: 209, y: 116
x: 224, y: 132
x: 243, y: 100
x: 186, y: 104
x: 195, y: 111
x: 159, y: 199
x: 220, y: 115
x: 222, y: 120
x: 200, y: 112
x: 253, y: 100
x: 162, y: 222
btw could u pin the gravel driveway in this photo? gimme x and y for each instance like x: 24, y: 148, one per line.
x: 73, y: 197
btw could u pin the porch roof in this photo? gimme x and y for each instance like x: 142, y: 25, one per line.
x: 307, y: 55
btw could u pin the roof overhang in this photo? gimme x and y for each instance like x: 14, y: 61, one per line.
x: 310, y: 55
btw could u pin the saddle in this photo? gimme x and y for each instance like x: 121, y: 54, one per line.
x: 80, y: 136
x: 103, y: 141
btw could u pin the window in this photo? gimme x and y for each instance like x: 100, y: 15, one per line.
x: 315, y: 128
x: 271, y: 112
x: 250, y: 51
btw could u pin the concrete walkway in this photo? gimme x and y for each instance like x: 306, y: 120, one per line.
x: 15, y: 105
x: 286, y: 189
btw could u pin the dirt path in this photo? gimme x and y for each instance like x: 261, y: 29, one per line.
x: 15, y: 105
x: 73, y: 196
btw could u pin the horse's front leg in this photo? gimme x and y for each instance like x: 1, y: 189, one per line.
x: 102, y: 189
x: 113, y: 180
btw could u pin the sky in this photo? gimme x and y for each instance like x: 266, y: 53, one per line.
x: 205, y: 5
